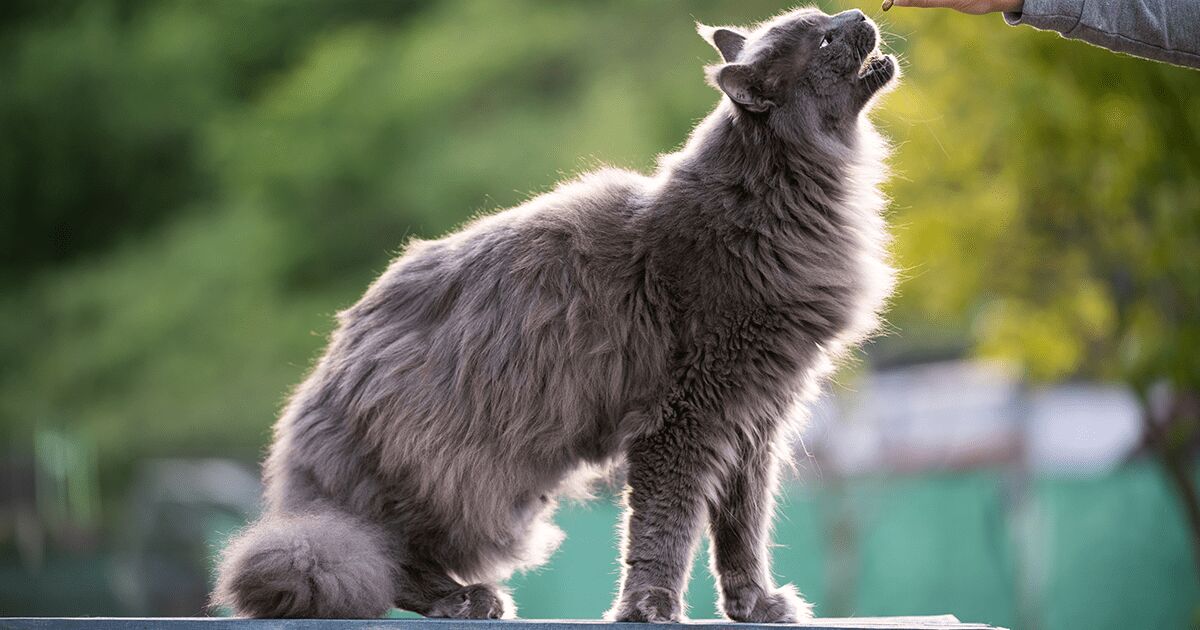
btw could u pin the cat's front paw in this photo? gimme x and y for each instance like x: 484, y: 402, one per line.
x: 648, y: 604
x: 755, y: 605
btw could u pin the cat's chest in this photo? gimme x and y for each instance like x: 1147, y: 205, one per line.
x: 794, y: 264
x: 802, y: 287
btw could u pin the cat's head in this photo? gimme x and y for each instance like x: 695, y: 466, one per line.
x: 803, y: 64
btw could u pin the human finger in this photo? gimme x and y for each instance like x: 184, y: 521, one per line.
x: 924, y: 4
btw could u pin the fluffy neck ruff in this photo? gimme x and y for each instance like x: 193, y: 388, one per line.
x: 815, y: 197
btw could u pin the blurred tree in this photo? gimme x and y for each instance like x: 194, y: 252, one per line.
x: 107, y: 104
x: 1049, y: 202
x: 97, y: 128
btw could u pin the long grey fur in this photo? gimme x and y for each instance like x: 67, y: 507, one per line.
x: 675, y: 323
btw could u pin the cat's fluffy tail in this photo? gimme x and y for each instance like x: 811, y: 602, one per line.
x: 322, y: 565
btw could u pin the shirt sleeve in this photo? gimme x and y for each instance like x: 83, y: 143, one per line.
x: 1162, y: 30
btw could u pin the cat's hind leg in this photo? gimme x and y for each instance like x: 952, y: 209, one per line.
x: 433, y: 593
x: 475, y: 601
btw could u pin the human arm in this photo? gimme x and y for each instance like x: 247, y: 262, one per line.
x: 1162, y: 30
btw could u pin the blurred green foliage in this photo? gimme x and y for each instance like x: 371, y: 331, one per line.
x: 1049, y: 201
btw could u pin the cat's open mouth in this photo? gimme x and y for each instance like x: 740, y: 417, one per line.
x: 874, y: 63
x: 877, y: 70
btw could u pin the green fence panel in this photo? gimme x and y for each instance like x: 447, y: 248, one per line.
x: 1117, y: 553
x: 933, y: 543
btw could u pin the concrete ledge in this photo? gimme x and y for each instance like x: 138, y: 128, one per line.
x: 943, y: 622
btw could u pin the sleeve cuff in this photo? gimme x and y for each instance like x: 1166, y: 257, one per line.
x: 1057, y: 15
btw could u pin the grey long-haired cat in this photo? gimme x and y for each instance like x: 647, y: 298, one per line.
x: 670, y: 322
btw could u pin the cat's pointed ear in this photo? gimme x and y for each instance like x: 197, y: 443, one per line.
x: 729, y: 42
x: 743, y: 85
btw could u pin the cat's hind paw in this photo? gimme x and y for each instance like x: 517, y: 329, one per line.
x: 477, y: 601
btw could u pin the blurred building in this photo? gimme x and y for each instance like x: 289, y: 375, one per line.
x: 154, y: 558
x: 970, y: 414
x: 179, y: 514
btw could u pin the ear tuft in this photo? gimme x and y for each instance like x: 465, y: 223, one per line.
x: 729, y: 42
x: 742, y: 85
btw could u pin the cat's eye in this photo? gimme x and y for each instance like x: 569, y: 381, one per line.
x: 825, y: 41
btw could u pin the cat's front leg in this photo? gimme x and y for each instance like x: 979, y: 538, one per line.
x: 664, y: 511
x: 740, y: 529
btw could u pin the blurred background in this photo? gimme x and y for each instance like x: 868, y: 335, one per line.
x: 189, y: 189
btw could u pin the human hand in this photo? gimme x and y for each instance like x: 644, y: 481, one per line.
x: 974, y: 7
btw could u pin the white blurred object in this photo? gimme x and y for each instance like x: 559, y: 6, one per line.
x: 966, y: 414
x: 1082, y: 429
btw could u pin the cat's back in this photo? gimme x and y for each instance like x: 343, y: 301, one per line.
x: 589, y: 216
x: 514, y: 327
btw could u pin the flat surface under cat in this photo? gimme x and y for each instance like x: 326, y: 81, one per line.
x: 943, y: 622
x: 673, y: 324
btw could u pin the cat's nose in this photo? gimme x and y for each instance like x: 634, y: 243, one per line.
x: 853, y: 15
